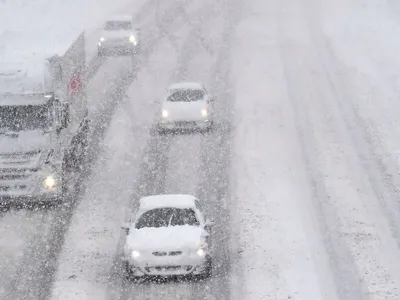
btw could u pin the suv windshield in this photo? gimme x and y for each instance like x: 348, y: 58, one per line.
x: 186, y: 95
x: 118, y: 25
x: 164, y: 217
x: 24, y: 117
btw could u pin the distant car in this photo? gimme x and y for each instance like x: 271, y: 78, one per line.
x: 168, y: 236
x: 119, y: 37
x: 187, y: 105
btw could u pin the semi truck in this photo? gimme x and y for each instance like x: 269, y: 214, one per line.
x: 44, y: 124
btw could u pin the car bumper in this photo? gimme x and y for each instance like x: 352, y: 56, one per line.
x: 118, y: 49
x: 190, y: 265
x: 185, y: 125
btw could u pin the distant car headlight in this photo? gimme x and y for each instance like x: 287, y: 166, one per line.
x: 50, y: 182
x: 201, y: 252
x: 164, y: 113
x: 204, y: 112
x: 133, y: 40
x: 102, y: 39
x: 135, y: 254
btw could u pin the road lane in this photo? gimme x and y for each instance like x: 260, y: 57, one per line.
x: 199, y: 164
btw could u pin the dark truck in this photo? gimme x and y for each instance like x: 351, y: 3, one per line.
x: 43, y: 125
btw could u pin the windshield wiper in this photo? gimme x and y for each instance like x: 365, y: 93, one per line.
x: 170, y: 219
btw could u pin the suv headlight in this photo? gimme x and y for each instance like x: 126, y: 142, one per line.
x: 164, y: 113
x: 204, y: 112
x: 135, y: 253
x: 132, y: 39
x: 102, y: 39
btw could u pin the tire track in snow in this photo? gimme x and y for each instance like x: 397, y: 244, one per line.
x: 381, y: 182
x: 152, y: 178
x: 215, y: 185
x: 43, y: 250
x: 344, y: 269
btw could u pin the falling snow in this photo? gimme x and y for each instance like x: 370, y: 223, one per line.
x: 277, y: 120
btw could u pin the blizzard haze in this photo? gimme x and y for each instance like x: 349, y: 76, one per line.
x: 298, y: 169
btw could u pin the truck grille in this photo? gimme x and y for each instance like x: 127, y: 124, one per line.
x: 15, y: 168
x: 13, y: 176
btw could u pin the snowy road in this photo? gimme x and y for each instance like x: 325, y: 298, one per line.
x: 196, y: 164
x: 300, y: 173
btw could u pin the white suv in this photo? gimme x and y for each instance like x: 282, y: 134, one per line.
x: 119, y: 37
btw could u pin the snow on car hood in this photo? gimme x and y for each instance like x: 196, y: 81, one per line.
x: 165, y: 238
x: 25, y: 141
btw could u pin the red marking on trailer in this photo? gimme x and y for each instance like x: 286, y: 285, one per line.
x: 74, y: 85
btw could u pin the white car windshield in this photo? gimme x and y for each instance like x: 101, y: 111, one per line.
x: 164, y: 217
x: 186, y: 95
x: 118, y: 25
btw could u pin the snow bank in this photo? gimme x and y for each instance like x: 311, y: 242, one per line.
x: 32, y: 30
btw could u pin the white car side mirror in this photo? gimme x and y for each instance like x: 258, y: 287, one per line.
x: 126, y: 226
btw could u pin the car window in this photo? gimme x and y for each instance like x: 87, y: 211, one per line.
x: 118, y: 25
x: 164, y: 217
x: 186, y: 95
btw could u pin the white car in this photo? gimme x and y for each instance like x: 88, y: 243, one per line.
x: 187, y: 105
x: 168, y: 236
x: 119, y: 37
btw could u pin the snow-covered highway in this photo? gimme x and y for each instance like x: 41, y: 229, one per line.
x: 301, y: 172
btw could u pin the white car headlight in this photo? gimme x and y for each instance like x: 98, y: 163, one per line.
x: 50, y: 182
x: 201, y: 252
x: 165, y: 113
x: 102, y: 39
x: 135, y: 254
x: 204, y: 112
x: 132, y: 39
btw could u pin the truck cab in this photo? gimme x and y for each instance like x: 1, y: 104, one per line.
x: 31, y: 158
x: 43, y: 125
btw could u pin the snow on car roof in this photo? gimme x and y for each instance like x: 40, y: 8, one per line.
x: 186, y: 86
x: 172, y: 200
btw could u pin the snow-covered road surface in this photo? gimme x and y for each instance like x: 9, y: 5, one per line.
x: 300, y: 173
x: 192, y: 164
x: 318, y: 207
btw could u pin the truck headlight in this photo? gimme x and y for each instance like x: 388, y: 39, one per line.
x: 49, y: 182
x: 165, y: 113
x: 135, y: 254
x: 201, y: 252
x: 132, y: 39
x: 204, y: 112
